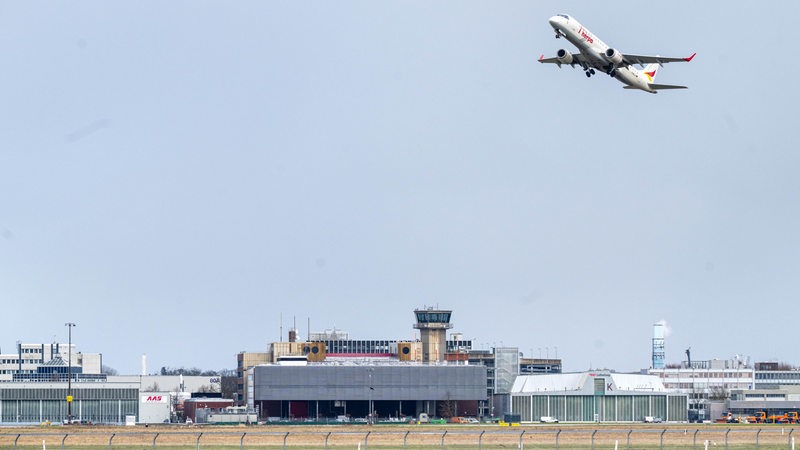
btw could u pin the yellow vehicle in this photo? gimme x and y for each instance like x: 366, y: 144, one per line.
x: 759, y: 417
x: 775, y: 418
x: 727, y: 418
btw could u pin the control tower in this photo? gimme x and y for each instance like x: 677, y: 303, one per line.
x: 433, y: 325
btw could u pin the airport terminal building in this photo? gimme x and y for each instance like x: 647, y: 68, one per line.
x: 329, y: 390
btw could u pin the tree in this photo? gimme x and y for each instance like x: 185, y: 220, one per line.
x: 446, y: 408
x: 108, y: 370
x: 717, y: 393
x: 194, y: 371
x: 229, y: 387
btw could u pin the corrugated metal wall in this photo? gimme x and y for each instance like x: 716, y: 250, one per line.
x: 325, y: 382
x: 609, y: 408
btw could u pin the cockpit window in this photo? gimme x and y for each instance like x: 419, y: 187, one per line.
x: 564, y: 16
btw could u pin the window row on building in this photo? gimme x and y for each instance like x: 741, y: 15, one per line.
x: 782, y: 375
x: 38, y: 411
x: 79, y: 393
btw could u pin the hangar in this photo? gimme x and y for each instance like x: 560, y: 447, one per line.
x: 599, y: 396
x: 324, y: 390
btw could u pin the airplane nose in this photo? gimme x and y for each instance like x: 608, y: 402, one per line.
x: 554, y: 21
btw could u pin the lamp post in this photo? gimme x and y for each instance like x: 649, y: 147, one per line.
x: 69, y: 326
x: 369, y: 416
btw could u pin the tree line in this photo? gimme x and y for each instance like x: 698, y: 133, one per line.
x: 194, y: 371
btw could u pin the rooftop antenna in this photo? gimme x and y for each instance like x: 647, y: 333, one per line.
x: 689, y: 356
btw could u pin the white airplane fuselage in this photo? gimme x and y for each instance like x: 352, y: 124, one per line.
x: 595, y: 49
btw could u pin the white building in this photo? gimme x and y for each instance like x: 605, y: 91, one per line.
x: 596, y: 396
x: 28, y: 358
x: 707, y: 382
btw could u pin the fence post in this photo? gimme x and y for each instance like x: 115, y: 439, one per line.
x: 629, y: 439
x: 198, y: 440
x: 593, y: 433
x: 62, y: 441
x: 694, y: 440
x: 726, y: 438
x: 326, y: 440
x: 154, y: 441
x: 480, y: 439
x: 110, y: 439
x: 15, y: 441
x: 443, y: 435
x: 284, y: 440
x: 406, y: 437
x: 366, y: 440
x: 757, y: 433
x: 241, y: 441
x: 557, y: 433
x: 790, y: 446
x: 662, y: 439
x: 520, y: 440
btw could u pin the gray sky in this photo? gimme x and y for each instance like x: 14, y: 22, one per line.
x: 176, y: 175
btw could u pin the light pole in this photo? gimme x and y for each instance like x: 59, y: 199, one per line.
x: 69, y: 326
x: 369, y: 416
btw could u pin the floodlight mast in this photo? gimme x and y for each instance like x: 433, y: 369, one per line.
x: 69, y: 326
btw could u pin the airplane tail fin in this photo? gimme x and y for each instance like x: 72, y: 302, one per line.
x: 650, y: 72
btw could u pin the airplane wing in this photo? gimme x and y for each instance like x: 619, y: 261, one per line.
x: 658, y: 87
x: 643, y: 60
x: 577, y: 59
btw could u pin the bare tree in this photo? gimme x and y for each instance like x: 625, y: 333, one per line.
x: 717, y: 393
x: 446, y: 408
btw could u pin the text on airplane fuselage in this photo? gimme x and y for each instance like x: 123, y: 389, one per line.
x: 586, y: 36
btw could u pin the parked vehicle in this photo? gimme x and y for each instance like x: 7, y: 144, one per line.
x: 727, y: 418
x: 759, y: 417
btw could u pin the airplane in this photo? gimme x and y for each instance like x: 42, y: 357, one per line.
x: 595, y: 54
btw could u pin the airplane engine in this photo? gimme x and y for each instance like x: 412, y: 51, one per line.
x: 613, y: 56
x: 564, y: 57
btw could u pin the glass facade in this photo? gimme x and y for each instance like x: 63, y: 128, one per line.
x: 361, y: 347
x: 47, y: 403
x: 433, y: 316
x: 506, y: 369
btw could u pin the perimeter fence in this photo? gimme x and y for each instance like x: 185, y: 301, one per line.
x: 519, y: 438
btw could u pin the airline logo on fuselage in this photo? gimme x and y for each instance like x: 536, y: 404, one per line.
x: 586, y: 36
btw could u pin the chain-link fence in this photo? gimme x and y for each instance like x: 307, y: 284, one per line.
x: 416, y: 439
